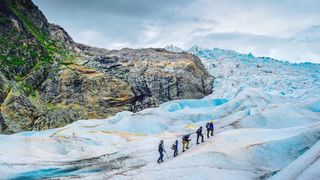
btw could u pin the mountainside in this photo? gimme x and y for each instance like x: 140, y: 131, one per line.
x: 48, y: 80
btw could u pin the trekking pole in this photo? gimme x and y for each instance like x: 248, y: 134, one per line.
x: 167, y: 154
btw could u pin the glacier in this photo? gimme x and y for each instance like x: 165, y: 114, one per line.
x: 266, y: 113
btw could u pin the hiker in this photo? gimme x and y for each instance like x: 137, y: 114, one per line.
x: 161, y: 150
x: 208, y: 129
x: 175, y: 148
x: 211, y: 128
x: 185, y: 142
x: 199, y: 134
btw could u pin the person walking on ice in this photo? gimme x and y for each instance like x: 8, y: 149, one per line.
x: 175, y: 148
x: 211, y: 128
x: 185, y: 142
x: 199, y: 134
x: 208, y: 129
x: 161, y: 150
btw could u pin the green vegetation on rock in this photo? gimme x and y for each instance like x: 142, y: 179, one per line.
x: 47, y: 80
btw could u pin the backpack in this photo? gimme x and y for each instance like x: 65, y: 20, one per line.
x: 160, y: 148
x: 208, y: 126
x: 173, y: 147
x: 185, y: 138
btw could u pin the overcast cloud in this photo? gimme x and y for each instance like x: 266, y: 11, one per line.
x: 282, y: 29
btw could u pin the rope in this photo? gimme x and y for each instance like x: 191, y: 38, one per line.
x: 186, y: 134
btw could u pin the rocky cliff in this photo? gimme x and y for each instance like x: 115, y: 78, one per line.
x: 47, y: 80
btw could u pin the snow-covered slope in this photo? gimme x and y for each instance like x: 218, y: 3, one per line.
x: 305, y: 167
x: 267, y: 126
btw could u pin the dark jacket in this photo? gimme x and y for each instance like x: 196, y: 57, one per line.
x: 186, y: 137
x: 199, y: 131
x: 208, y: 125
x: 161, y: 148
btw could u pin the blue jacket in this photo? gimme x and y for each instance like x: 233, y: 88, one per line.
x: 211, y: 126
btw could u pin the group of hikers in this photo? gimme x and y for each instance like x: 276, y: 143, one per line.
x: 185, y: 141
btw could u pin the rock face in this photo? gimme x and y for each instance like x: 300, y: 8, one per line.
x: 155, y: 75
x: 47, y: 80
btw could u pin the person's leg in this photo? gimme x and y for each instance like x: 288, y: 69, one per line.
x: 202, y: 138
x: 211, y: 132
x: 208, y: 133
x: 183, y: 146
x: 159, y: 159
x: 197, y: 138
x: 187, y: 145
x: 161, y: 156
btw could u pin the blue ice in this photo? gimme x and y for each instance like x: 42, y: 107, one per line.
x: 203, y: 103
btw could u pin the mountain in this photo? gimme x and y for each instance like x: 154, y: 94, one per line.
x: 235, y: 71
x: 47, y: 80
x: 173, y: 48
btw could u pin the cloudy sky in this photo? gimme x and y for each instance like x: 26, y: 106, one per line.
x: 282, y: 29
